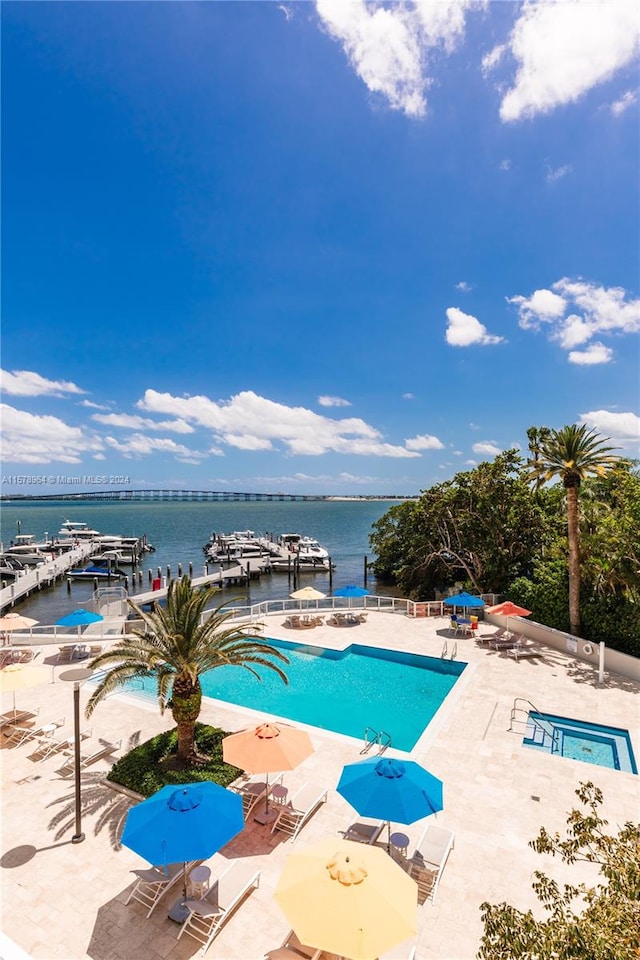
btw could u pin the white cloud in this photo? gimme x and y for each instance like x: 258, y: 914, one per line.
x: 622, y: 428
x: 562, y: 50
x: 471, y: 463
x: 463, y: 330
x: 28, y: 438
x: 325, y: 401
x: 132, y: 422
x: 596, y: 310
x: 552, y: 175
x: 139, y: 445
x: 287, y: 11
x: 26, y: 383
x: 627, y: 100
x: 541, y: 307
x: 388, y: 46
x: 505, y: 164
x: 259, y: 421
x: 463, y: 286
x: 408, y: 396
x: 596, y: 353
x: 424, y: 441
x: 246, y: 442
x: 93, y: 406
x: 487, y: 447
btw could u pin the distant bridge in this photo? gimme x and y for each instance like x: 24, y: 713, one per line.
x: 191, y: 496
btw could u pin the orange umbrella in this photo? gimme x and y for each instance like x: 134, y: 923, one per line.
x: 508, y: 609
x: 267, y: 748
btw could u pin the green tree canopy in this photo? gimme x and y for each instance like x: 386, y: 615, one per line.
x: 176, y: 645
x: 582, y: 923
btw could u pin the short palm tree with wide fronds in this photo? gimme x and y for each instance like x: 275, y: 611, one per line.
x: 176, y: 645
x: 572, y: 454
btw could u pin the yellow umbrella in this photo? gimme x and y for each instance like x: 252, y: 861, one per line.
x: 267, y: 748
x: 348, y: 898
x: 18, y: 677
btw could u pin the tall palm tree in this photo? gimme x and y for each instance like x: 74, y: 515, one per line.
x: 571, y: 454
x: 177, y: 645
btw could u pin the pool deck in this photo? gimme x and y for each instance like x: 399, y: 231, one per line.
x: 63, y: 900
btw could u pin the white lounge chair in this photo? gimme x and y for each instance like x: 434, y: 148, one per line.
x: 152, y: 884
x: 364, y: 831
x: 292, y: 949
x: 105, y: 749
x: 299, y: 808
x: 252, y: 791
x: 206, y: 916
x: 49, y: 747
x: 429, y: 859
x: 18, y: 735
x: 521, y: 649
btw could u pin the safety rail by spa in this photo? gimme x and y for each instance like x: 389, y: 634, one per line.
x: 548, y: 730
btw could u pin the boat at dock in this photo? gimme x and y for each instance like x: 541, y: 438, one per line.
x: 97, y: 569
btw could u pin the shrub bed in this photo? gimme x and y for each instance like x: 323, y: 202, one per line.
x: 145, y: 768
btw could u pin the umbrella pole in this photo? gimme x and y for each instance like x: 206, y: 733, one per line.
x: 266, y: 799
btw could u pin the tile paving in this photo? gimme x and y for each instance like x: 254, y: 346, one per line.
x: 63, y: 900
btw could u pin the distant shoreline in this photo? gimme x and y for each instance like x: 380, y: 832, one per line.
x: 194, y: 496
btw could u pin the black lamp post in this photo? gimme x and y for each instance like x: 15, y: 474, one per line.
x: 76, y: 677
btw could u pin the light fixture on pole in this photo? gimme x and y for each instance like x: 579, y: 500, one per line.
x: 76, y: 677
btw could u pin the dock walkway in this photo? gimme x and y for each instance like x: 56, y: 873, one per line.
x: 44, y: 575
x: 240, y: 573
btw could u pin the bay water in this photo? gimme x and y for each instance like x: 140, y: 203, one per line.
x: 179, y: 531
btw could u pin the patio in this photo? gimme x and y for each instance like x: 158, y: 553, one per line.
x: 68, y: 901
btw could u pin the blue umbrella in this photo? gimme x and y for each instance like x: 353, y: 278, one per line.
x: 351, y: 590
x: 389, y: 789
x: 188, y: 822
x: 79, y: 618
x: 464, y: 600
x: 181, y: 823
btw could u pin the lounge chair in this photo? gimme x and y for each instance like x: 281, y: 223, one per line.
x: 296, y: 812
x: 292, y: 949
x: 521, y: 649
x: 48, y: 747
x: 206, y: 916
x: 252, y: 791
x: 429, y: 859
x: 506, y: 641
x: 364, y: 831
x: 104, y: 750
x: 19, y: 734
x: 152, y: 884
x: 66, y: 653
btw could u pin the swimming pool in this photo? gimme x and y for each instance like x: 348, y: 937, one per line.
x: 579, y: 740
x: 344, y: 691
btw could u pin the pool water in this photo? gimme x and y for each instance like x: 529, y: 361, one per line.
x: 343, y: 691
x: 579, y: 740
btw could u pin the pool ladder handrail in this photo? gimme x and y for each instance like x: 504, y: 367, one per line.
x: 445, y: 650
x: 380, y: 737
x: 552, y: 732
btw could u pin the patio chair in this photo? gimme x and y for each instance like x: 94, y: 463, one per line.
x: 521, y: 649
x: 364, y: 831
x: 152, y: 884
x: 23, y: 656
x: 66, y: 653
x: 429, y: 859
x: 18, y: 735
x: 48, y: 747
x: 106, y: 749
x: 293, y: 621
x: 299, y: 808
x: 252, y: 791
x: 207, y: 916
x: 506, y: 641
x: 292, y: 949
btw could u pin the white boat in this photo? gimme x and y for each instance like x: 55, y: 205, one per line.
x: 24, y: 547
x: 77, y: 530
x: 305, y: 547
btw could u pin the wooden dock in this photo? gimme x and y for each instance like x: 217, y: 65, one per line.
x: 44, y: 575
x: 240, y: 574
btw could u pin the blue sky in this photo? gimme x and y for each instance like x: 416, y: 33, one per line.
x: 314, y: 247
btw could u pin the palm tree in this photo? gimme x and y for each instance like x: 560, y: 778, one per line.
x: 177, y: 645
x: 572, y: 454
